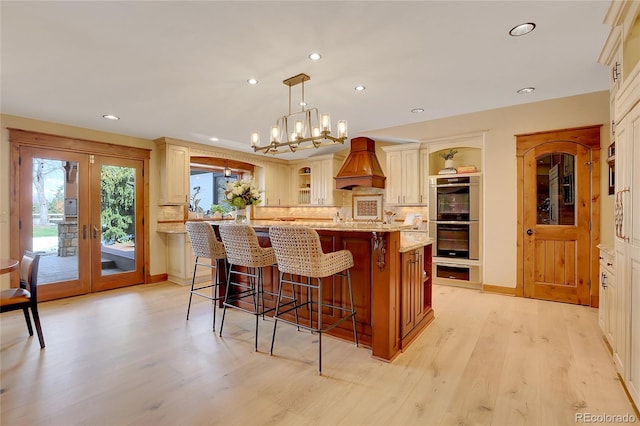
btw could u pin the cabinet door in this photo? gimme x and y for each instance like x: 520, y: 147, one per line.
x: 408, y: 297
x: 629, y: 282
x: 424, y: 176
x: 602, y: 302
x: 418, y: 286
x: 322, y: 183
x: 174, y: 174
x: 277, y: 185
x: 410, y: 177
x: 317, y: 183
x: 394, y: 177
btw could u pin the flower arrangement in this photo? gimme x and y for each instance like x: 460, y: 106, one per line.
x: 448, y: 155
x: 242, y: 193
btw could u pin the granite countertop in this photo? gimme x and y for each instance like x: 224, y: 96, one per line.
x: 413, y: 240
x: 332, y: 226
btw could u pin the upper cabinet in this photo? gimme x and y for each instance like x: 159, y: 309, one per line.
x: 315, y: 180
x: 277, y: 185
x: 405, y: 174
x: 174, y: 172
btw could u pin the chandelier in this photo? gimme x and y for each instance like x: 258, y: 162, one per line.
x: 295, y: 129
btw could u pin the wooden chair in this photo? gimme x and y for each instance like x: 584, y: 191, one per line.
x: 299, y: 254
x: 25, y: 296
x: 205, y: 245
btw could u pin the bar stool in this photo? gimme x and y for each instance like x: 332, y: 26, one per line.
x: 246, y: 259
x: 299, y: 254
x: 205, y: 244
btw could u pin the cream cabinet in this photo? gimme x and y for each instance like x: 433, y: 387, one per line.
x: 316, y: 183
x: 404, y: 174
x: 277, y: 187
x: 608, y: 299
x: 627, y: 247
x: 180, y: 261
x: 174, y: 173
x: 622, y: 54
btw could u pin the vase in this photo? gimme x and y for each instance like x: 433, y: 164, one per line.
x: 448, y: 163
x: 242, y: 215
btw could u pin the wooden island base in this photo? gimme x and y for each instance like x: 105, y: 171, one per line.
x: 391, y: 280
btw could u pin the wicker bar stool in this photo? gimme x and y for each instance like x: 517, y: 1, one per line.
x: 205, y: 244
x: 299, y: 254
x: 244, y: 251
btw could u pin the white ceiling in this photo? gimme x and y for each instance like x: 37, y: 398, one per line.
x: 179, y: 69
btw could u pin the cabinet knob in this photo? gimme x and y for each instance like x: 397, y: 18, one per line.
x: 529, y: 231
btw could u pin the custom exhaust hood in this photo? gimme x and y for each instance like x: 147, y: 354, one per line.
x: 361, y: 168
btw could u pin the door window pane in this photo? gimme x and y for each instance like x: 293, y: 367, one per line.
x: 556, y: 189
x: 118, y: 219
x: 55, y: 219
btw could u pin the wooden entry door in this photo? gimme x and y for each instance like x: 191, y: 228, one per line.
x: 81, y: 205
x: 559, y: 197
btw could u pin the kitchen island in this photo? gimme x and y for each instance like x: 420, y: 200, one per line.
x: 391, y: 280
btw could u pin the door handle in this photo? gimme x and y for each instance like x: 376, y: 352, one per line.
x: 95, y: 232
x: 529, y: 231
x: 84, y: 232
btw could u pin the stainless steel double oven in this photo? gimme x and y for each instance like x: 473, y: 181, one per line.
x: 454, y: 221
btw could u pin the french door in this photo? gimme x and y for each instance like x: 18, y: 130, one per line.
x: 84, y: 214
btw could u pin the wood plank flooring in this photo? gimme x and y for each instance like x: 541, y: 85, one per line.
x: 129, y: 357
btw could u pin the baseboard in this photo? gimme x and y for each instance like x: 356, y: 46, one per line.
x: 508, y: 291
x: 157, y: 278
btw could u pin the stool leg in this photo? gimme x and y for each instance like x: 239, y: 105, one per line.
x: 226, y: 297
x: 254, y: 288
x: 193, y: 281
x: 214, y: 292
x: 295, y: 302
x: 319, y: 326
x: 353, y: 309
x: 309, y: 302
x: 275, y: 316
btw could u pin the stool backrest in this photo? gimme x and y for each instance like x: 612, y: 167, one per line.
x: 204, y: 242
x: 298, y: 249
x: 242, y: 246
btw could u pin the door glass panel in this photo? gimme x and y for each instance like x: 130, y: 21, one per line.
x: 555, y: 180
x: 55, y: 219
x: 117, y: 219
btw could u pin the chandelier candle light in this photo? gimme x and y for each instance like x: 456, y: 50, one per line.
x: 307, y: 125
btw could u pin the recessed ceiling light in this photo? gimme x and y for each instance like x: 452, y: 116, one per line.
x: 214, y: 139
x: 522, y: 29
x: 111, y: 117
x: 417, y: 110
x: 315, y: 56
x: 252, y: 81
x: 525, y: 90
x: 360, y: 88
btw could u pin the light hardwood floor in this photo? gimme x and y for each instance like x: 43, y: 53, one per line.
x: 128, y: 356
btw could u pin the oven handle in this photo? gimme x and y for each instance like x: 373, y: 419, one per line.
x: 453, y: 265
x: 454, y: 222
x: 449, y: 185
